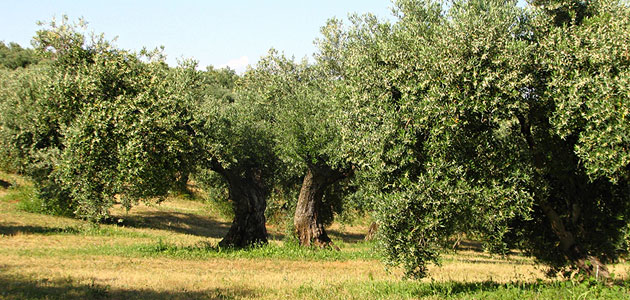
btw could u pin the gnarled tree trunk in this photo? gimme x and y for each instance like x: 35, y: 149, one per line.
x: 590, y: 265
x: 371, y: 231
x: 181, y: 183
x: 248, y: 197
x: 573, y: 251
x: 308, y: 226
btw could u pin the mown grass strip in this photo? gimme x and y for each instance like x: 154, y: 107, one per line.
x: 207, y: 250
x: 30, y: 287
x: 371, y: 289
x: 80, y: 230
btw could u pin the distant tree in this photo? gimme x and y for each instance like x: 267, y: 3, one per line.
x: 215, y: 84
x: 19, y: 90
x: 220, y: 83
x: 13, y: 56
x: 13, y: 80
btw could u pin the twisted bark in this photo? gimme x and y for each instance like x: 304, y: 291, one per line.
x: 590, y: 265
x: 307, y: 221
x: 249, y: 200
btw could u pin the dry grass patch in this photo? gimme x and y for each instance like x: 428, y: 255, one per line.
x: 67, y: 242
x: 243, y: 278
x: 152, y: 253
x: 264, y: 277
x: 169, y: 275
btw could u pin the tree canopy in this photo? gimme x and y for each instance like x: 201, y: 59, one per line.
x: 487, y: 114
x: 97, y: 122
x: 13, y: 56
x: 473, y: 116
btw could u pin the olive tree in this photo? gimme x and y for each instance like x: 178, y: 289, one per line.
x: 490, y: 118
x: 575, y: 131
x: 13, y: 56
x: 112, y: 126
x: 237, y: 143
x: 132, y: 145
x: 101, y: 123
x: 303, y: 107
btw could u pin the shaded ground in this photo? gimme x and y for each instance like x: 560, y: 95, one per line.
x: 10, y: 229
x: 345, y: 236
x: 153, y: 252
x: 470, y: 246
x: 23, y: 287
x: 4, y: 184
x: 186, y: 223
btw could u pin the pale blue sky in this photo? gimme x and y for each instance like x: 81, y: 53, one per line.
x: 234, y: 32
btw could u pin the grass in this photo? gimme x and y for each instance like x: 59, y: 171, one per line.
x: 468, y: 290
x: 198, y: 251
x: 168, y: 251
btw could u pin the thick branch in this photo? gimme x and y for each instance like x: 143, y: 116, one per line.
x: 216, y: 166
x: 591, y: 265
x: 526, y: 130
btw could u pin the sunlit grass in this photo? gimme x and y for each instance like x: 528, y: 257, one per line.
x: 169, y: 251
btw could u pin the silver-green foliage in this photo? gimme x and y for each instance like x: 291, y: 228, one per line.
x: 96, y: 122
x: 236, y: 132
x: 590, y: 85
x: 483, y: 117
x: 302, y: 107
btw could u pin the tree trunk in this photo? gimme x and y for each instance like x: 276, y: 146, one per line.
x: 371, y: 231
x: 181, y: 183
x: 590, y: 265
x: 308, y: 226
x: 249, y: 201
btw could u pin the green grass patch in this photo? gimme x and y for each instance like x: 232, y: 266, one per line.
x: 26, y: 198
x: 205, y: 250
x: 287, y: 251
x: 105, y: 231
x: 370, y: 289
x: 24, y: 195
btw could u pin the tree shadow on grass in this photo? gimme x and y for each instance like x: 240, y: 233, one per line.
x: 470, y: 245
x: 476, y: 246
x: 453, y: 288
x: 275, y: 236
x: 13, y: 229
x: 22, y: 287
x: 4, y: 184
x: 346, y: 237
x: 185, y: 223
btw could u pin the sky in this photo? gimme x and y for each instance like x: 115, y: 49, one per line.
x: 220, y: 33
